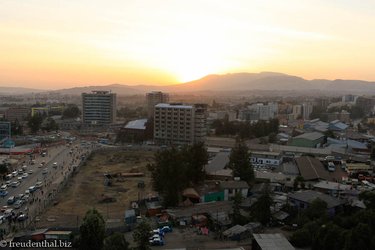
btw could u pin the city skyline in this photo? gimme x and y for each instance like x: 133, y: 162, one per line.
x: 52, y: 45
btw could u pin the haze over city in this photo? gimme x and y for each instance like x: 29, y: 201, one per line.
x: 63, y: 44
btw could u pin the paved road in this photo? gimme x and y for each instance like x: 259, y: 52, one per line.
x: 51, y: 181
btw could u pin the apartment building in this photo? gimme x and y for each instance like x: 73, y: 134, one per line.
x: 178, y: 123
x: 153, y: 98
x: 99, y: 108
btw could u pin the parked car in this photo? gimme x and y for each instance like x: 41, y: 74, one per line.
x: 3, y: 193
x: 45, y: 171
x: 25, y: 175
x: 11, y: 200
x: 14, y: 173
x: 156, y: 242
x: 15, y: 184
x: 331, y: 167
x: 18, y: 204
x: 30, y: 171
x: 22, y: 217
x: 158, y: 232
x: 3, y: 187
x: 166, y: 229
x: 32, y: 189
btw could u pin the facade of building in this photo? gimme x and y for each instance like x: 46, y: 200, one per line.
x: 179, y: 124
x: 309, y: 140
x: 272, y: 159
x: 99, y: 108
x: 307, y: 109
x: 17, y: 113
x: 153, y: 98
x: 259, y: 111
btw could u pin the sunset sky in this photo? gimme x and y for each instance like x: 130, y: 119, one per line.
x: 59, y: 44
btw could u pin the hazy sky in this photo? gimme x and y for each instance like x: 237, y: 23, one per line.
x: 54, y: 44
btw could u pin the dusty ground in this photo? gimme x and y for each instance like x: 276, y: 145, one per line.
x: 86, y: 189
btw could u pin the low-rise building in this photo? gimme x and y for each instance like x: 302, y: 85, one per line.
x: 303, y: 199
x: 231, y: 188
x: 310, y: 140
x: 311, y: 169
x: 264, y: 158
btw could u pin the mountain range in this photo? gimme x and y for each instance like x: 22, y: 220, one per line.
x: 236, y: 82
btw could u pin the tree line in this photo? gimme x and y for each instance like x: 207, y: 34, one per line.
x: 245, y: 130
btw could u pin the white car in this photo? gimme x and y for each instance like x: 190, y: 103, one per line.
x: 3, y: 188
x: 45, y: 171
x: 25, y: 175
x: 30, y: 171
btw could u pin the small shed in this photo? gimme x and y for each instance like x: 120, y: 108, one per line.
x: 58, y: 235
x: 130, y: 217
x: 237, y: 232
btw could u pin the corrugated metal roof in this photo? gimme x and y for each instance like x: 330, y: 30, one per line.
x: 272, y: 242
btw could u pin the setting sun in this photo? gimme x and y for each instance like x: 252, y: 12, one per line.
x: 49, y: 45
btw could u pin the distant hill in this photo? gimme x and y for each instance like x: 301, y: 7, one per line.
x: 236, y: 82
x: 116, y: 88
x: 18, y: 90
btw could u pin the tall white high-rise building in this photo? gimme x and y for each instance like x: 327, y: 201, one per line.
x: 180, y: 124
x: 153, y: 98
x: 99, y: 108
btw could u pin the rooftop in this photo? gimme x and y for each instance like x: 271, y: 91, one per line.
x: 136, y: 124
x: 171, y: 105
x: 234, y: 184
x: 310, y: 136
x: 331, y: 185
x: 218, y: 162
x: 272, y: 242
x: 309, y: 195
x: 311, y: 168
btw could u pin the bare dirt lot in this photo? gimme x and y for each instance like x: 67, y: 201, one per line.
x: 87, y: 190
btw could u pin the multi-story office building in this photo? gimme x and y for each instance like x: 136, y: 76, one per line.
x: 307, y: 109
x: 17, y: 113
x: 179, y: 124
x: 153, y: 98
x: 99, y: 108
x: 259, y: 111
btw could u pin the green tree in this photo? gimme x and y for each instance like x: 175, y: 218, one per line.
x: 360, y: 237
x: 368, y: 198
x: 317, y: 210
x: 3, y: 168
x: 35, y: 123
x: 50, y: 125
x: 261, y: 209
x: 237, y: 217
x: 141, y: 235
x: 239, y: 162
x: 71, y: 111
x: 196, y: 157
x: 16, y: 128
x: 92, y: 231
x: 116, y: 241
x: 176, y: 169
